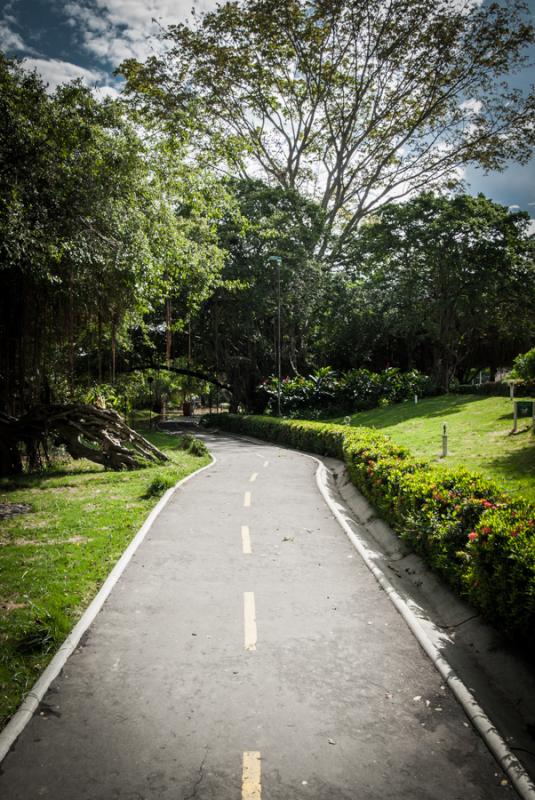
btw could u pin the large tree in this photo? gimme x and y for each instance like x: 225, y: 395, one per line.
x: 353, y: 103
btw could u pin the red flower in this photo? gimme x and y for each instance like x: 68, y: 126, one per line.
x: 485, y: 531
x: 472, y: 536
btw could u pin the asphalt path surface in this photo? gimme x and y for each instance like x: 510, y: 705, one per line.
x: 247, y: 652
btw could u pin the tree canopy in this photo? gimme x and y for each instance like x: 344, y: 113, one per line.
x: 122, y: 250
x: 351, y: 103
x: 442, y: 284
x: 97, y: 227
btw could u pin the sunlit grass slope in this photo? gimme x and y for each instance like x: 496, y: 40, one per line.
x: 54, y: 559
x: 478, y: 436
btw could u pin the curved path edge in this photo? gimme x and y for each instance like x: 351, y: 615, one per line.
x: 487, y: 730
x: 29, y: 705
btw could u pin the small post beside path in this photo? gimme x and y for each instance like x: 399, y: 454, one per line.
x: 444, y: 440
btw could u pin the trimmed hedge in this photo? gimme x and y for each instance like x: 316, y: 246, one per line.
x: 481, y: 540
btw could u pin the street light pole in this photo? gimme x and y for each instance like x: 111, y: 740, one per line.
x: 278, y: 260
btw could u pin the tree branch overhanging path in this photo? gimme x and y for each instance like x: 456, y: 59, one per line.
x: 352, y: 103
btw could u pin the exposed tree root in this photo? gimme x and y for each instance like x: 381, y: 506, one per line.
x: 98, y: 434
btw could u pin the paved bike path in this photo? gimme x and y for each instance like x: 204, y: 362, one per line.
x: 214, y: 673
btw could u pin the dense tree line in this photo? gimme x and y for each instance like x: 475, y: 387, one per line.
x: 442, y: 285
x: 131, y: 233
x: 97, y: 229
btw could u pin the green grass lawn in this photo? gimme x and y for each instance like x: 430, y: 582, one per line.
x: 54, y: 558
x: 478, y: 436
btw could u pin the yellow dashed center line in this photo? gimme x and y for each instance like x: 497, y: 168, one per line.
x: 249, y: 620
x: 251, y: 787
x: 253, y: 477
x: 245, y: 539
x: 247, y: 500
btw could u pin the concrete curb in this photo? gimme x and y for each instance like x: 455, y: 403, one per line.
x: 20, y: 719
x: 492, y: 738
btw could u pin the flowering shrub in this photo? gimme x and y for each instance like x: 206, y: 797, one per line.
x: 500, y: 574
x: 356, y: 390
x: 471, y: 532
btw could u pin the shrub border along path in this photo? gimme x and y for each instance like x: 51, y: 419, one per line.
x: 466, y: 527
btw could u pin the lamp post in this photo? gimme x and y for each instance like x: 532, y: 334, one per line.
x: 278, y: 260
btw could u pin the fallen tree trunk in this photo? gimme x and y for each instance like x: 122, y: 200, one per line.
x: 98, y: 434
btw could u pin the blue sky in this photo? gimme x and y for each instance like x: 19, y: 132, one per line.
x: 87, y: 39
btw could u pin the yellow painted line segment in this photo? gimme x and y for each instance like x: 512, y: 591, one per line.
x: 251, y: 786
x: 253, y: 477
x: 247, y: 500
x: 249, y: 620
x: 246, y: 539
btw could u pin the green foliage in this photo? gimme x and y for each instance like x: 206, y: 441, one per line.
x: 466, y: 527
x: 236, y: 326
x: 524, y: 366
x: 194, y: 446
x: 500, y: 574
x: 478, y: 431
x: 55, y: 558
x: 328, y: 392
x: 42, y: 632
x: 100, y: 226
x: 133, y: 391
x: 436, y: 282
x: 495, y: 389
x: 291, y: 87
x: 159, y: 484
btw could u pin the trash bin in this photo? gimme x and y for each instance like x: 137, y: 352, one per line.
x: 186, y: 408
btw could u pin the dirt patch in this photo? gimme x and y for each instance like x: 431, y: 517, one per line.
x: 38, y: 523
x: 7, y: 605
x: 12, y: 509
x: 43, y: 542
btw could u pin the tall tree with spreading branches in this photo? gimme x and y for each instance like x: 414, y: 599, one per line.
x: 353, y: 103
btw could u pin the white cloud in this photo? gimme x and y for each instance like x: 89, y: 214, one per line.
x: 10, y: 39
x: 102, y: 92
x: 472, y: 106
x: 114, y: 30
x: 54, y: 72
